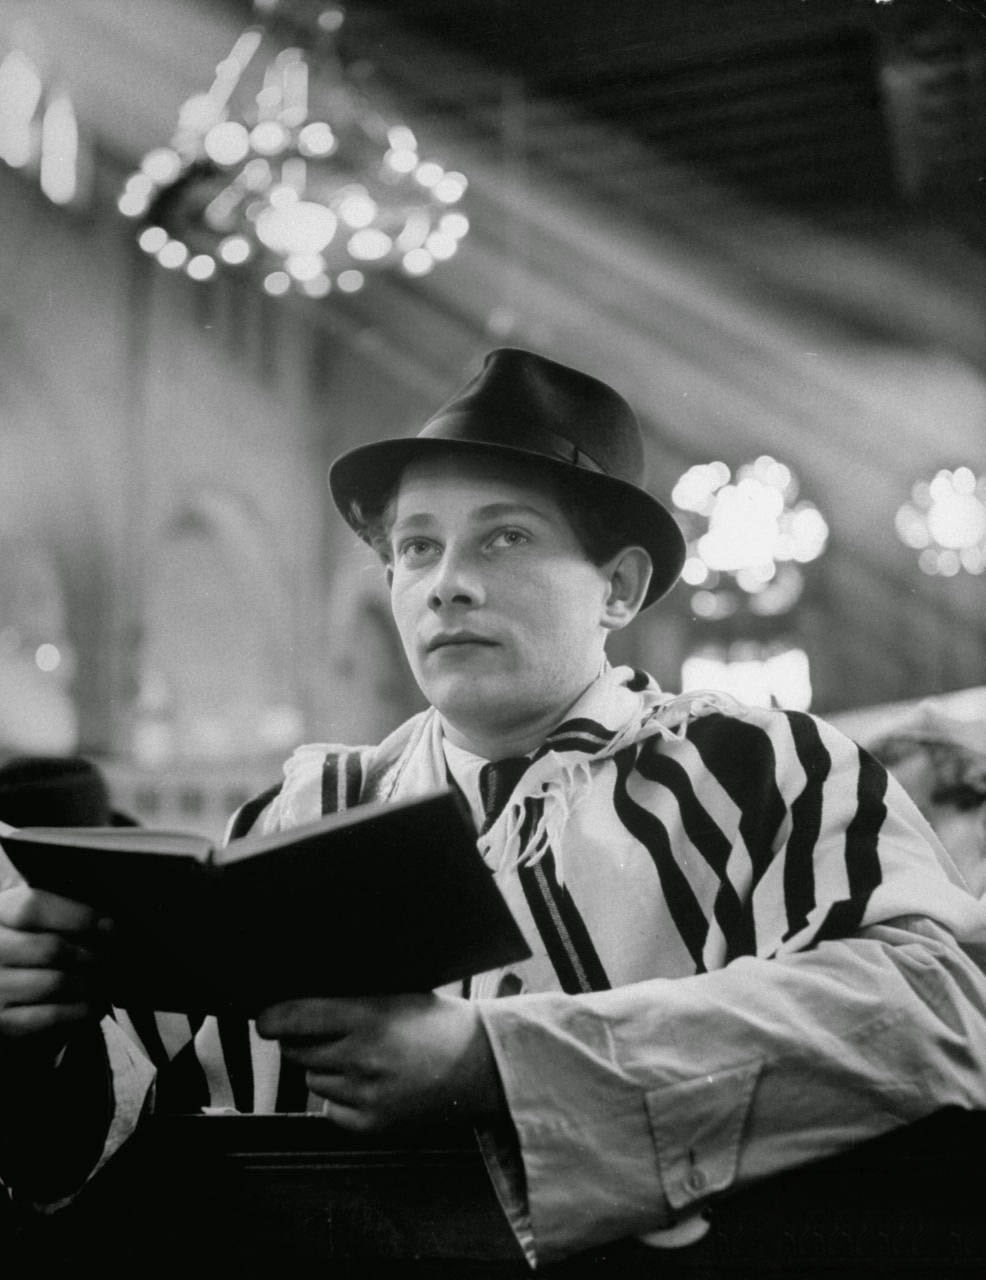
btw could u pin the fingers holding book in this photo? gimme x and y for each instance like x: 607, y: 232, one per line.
x: 49, y: 973
x: 391, y: 1060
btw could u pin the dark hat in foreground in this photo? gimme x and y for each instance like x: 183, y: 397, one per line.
x: 55, y: 791
x: 524, y: 405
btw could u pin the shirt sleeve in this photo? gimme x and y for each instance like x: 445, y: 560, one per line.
x: 858, y: 1007
x: 630, y: 1108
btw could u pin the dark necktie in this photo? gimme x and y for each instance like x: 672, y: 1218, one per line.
x: 496, y: 781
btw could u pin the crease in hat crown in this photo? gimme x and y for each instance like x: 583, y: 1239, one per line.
x: 556, y: 417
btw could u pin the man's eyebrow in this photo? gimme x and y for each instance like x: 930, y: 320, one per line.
x: 418, y: 521
x: 497, y: 510
x: 491, y: 511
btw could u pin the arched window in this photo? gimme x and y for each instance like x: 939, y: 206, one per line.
x: 215, y: 680
x: 37, y: 712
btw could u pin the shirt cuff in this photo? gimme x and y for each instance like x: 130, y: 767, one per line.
x: 612, y: 1165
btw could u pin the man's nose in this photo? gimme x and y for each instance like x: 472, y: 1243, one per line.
x: 457, y: 581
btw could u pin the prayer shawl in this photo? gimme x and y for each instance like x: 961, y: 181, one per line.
x: 662, y: 836
x: 651, y: 836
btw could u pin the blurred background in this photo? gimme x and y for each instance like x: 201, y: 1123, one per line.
x: 238, y: 238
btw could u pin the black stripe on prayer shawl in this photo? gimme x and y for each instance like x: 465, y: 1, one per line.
x: 566, y: 939
x: 354, y: 778
x: 742, y: 761
x: 234, y: 1036
x: 144, y: 1023
x: 806, y: 822
x: 292, y: 1088
x: 342, y: 777
x: 248, y: 813
x: 734, y: 917
x: 862, y: 850
x: 182, y: 1085
x: 687, y: 914
x: 579, y: 734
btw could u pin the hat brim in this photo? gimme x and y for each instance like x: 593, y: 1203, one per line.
x: 365, y: 476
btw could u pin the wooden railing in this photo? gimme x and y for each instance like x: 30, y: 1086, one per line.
x: 292, y: 1195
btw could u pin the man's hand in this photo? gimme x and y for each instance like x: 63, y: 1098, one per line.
x: 47, y: 969
x: 390, y: 1060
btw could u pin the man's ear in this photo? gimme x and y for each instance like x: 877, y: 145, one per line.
x: 629, y: 573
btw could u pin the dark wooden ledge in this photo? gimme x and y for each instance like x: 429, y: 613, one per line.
x: 269, y: 1195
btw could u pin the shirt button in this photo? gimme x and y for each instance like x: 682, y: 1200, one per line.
x: 696, y: 1180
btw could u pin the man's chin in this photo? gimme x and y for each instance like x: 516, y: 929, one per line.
x: 470, y: 699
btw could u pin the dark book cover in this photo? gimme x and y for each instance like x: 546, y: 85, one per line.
x: 385, y: 897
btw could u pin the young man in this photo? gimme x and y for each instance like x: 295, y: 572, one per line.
x: 749, y: 950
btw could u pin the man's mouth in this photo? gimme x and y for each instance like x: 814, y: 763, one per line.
x: 458, y: 639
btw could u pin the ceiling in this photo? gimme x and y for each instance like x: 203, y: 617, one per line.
x: 784, y: 99
x: 791, y: 198
x: 763, y: 219
x: 769, y: 96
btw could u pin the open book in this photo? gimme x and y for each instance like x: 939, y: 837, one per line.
x: 385, y: 897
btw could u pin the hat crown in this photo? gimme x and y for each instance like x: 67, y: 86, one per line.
x: 520, y: 400
x: 53, y: 791
x: 545, y: 415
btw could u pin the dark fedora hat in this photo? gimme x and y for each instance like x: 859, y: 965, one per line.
x: 558, y: 418
x: 56, y: 791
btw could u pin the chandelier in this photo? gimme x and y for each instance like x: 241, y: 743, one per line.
x: 748, y: 537
x: 945, y: 522
x: 284, y: 166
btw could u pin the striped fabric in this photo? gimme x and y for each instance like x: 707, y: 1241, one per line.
x: 646, y: 838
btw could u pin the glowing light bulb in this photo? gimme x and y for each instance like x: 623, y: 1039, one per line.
x: 957, y: 520
x: 449, y: 188
x: 301, y: 227
x: 234, y: 250
x: 161, y: 165
x: 455, y: 225
x: 172, y: 255
x: 201, y: 267
x: 20, y: 95
x: 268, y: 137
x: 369, y: 244
x: 227, y: 143
x: 47, y: 657
x: 401, y: 161
x: 305, y: 266
x: 418, y: 262
x: 401, y: 138
x: 317, y: 139
x: 59, y: 151
x: 357, y: 209
x: 441, y: 247
x: 317, y: 287
x: 429, y: 174
x: 151, y: 239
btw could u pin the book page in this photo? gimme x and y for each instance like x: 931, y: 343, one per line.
x: 118, y: 839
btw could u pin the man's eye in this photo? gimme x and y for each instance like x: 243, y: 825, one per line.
x: 509, y: 538
x: 414, y: 549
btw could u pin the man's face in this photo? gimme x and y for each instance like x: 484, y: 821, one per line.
x: 497, y: 605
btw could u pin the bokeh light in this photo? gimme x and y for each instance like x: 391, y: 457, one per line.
x: 747, y: 535
x: 945, y: 523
